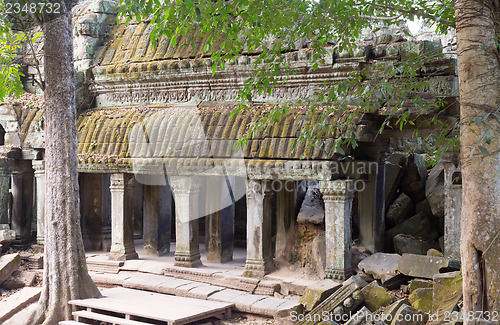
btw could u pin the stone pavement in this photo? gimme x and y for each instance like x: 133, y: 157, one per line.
x: 212, y: 281
x: 244, y: 302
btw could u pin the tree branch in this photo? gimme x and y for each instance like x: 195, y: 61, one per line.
x: 40, y: 83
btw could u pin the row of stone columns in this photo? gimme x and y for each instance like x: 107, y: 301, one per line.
x: 337, y: 196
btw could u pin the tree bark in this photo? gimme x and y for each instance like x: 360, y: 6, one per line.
x: 478, y: 26
x: 65, y: 274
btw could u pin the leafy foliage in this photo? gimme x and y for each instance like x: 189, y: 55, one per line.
x: 10, y: 43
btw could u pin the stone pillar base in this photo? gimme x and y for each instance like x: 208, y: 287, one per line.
x: 122, y: 253
x: 191, y: 259
x: 257, y: 268
x: 337, y: 273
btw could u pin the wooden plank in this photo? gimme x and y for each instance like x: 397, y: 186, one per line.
x: 155, y: 306
x: 106, y: 318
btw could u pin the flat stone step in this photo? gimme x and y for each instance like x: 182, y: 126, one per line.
x: 105, y: 318
x: 154, y: 306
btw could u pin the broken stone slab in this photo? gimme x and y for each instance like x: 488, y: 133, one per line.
x: 411, y: 245
x: 421, y: 266
x: 381, y: 266
x: 446, y: 292
x: 7, y: 236
x: 19, y: 279
x: 313, y: 208
x: 375, y: 296
x: 408, y: 315
x: 318, y: 292
x: 400, y: 210
x: 8, y: 264
x: 421, y: 299
x: 342, y: 302
x: 365, y: 317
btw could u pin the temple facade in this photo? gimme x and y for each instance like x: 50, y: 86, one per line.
x: 159, y: 156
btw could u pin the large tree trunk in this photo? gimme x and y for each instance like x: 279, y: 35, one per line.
x: 65, y: 274
x: 478, y: 24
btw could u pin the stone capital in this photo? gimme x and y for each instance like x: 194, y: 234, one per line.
x: 184, y: 185
x: 338, y: 190
x: 258, y: 187
x: 38, y: 166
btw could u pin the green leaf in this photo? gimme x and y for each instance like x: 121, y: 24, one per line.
x: 484, y: 151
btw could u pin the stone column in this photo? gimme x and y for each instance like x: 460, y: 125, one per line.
x: 259, y: 221
x: 337, y: 196
x: 5, y: 175
x: 157, y: 216
x: 39, y: 167
x: 186, y: 190
x: 285, y: 213
x: 452, y: 205
x: 220, y: 223
x: 122, y: 235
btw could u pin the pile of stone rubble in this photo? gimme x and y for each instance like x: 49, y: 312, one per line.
x: 389, y: 289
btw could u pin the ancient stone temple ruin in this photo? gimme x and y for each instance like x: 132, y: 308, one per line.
x: 158, y: 153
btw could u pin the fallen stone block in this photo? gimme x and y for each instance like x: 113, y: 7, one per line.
x: 19, y: 280
x: 400, y: 210
x: 434, y: 252
x: 318, y: 292
x: 4, y: 226
x: 418, y: 226
x: 341, y: 303
x: 392, y: 179
x: 391, y: 310
x: 408, y: 315
x: 375, y: 296
x: 365, y: 317
x: 407, y: 244
x: 419, y: 284
x: 8, y: 264
x: 381, y: 266
x: 434, y: 190
x: 313, y: 208
x: 420, y: 266
x: 422, y: 299
x: 446, y: 292
x: 7, y: 236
